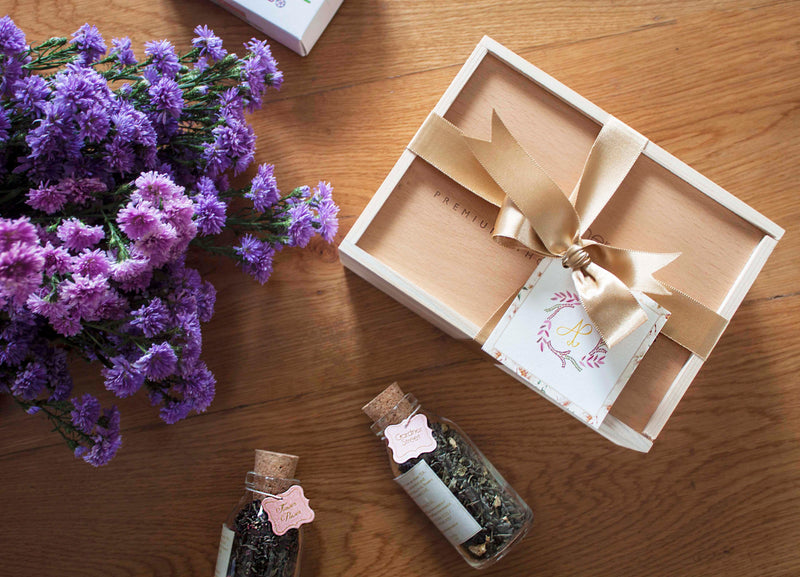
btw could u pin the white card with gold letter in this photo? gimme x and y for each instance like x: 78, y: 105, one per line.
x: 548, y: 341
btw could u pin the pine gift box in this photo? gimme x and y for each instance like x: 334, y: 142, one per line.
x: 426, y: 238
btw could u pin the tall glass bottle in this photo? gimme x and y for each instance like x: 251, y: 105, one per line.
x: 449, y: 478
x: 250, y: 546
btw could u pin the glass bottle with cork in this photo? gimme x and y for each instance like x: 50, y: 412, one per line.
x: 262, y: 536
x: 443, y: 471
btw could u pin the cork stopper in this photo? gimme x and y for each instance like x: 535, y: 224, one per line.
x: 276, y: 466
x: 391, y: 405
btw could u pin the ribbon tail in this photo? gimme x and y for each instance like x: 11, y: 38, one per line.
x: 612, y: 308
x: 692, y: 325
x: 442, y: 145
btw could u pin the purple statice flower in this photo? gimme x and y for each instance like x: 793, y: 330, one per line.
x: 82, y: 190
x: 77, y: 236
x: 113, y: 307
x: 164, y: 60
x: 264, y: 188
x: 90, y: 44
x: 53, y: 143
x: 106, y: 440
x: 190, y: 340
x: 21, y: 260
x: 206, y: 298
x: 120, y: 156
x: 57, y: 260
x: 166, y: 99
x: 256, y: 257
x: 85, y: 413
x: 174, y: 411
x: 155, y: 187
x: 30, y: 95
x: 231, y: 104
x: 139, y: 220
x: 209, y: 44
x: 156, y: 247
x: 91, y: 263
x: 122, y: 378
x: 84, y: 295
x: 12, y: 39
x: 10, y: 72
x: 30, y: 381
x: 301, y: 227
x: 78, y: 88
x: 259, y: 71
x: 152, y: 318
x: 132, y: 274
x: 327, y: 219
x: 16, y: 231
x: 58, y: 373
x: 66, y: 320
x: 17, y: 336
x: 5, y: 124
x: 209, y: 214
x: 158, y: 363
x: 38, y: 302
x: 234, y: 144
x: 199, y: 386
x: 324, y: 191
x: 48, y: 198
x: 215, y: 158
x: 178, y: 213
x: 123, y: 52
x: 205, y: 185
x: 94, y: 123
x: 134, y: 142
x: 248, y: 248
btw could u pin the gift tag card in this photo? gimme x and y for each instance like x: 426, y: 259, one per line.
x: 410, y: 438
x: 547, y: 339
x: 288, y: 510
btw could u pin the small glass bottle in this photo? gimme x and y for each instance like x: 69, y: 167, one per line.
x: 449, y: 478
x: 249, y: 547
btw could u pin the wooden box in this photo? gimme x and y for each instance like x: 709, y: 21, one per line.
x: 425, y: 240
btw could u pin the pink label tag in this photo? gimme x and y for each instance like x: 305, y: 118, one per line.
x: 288, y: 510
x: 410, y: 438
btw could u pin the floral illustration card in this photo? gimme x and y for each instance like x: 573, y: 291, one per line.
x: 548, y: 341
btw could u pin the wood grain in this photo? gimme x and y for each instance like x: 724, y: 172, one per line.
x: 715, y: 83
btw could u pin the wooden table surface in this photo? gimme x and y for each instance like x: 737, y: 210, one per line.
x: 715, y: 83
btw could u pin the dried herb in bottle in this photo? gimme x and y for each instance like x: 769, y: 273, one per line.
x: 449, y: 478
x: 250, y: 545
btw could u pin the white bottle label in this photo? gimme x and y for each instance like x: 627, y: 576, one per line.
x: 224, y: 555
x: 439, y: 504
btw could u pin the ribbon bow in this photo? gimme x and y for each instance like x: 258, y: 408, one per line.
x: 537, y: 214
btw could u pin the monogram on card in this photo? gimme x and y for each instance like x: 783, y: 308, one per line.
x: 547, y: 340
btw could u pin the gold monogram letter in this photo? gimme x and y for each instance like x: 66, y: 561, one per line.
x: 580, y: 329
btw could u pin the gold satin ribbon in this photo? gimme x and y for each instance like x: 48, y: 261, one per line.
x: 537, y: 214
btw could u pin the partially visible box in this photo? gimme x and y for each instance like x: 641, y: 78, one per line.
x: 426, y: 240
x: 297, y: 24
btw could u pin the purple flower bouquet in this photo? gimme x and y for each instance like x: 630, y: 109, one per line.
x: 110, y: 168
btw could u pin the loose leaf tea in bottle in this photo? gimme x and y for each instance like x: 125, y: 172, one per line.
x: 262, y: 536
x: 449, y: 478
